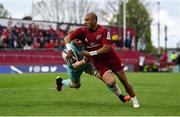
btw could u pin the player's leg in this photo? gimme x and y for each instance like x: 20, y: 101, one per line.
x: 59, y: 83
x: 109, y: 80
x: 91, y: 70
x: 75, y: 79
x: 117, y: 67
x: 72, y: 82
x: 123, y: 78
x: 67, y: 83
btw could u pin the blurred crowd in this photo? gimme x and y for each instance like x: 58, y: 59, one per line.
x: 31, y: 37
x: 168, y: 61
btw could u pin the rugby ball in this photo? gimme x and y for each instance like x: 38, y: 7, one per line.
x: 64, y: 56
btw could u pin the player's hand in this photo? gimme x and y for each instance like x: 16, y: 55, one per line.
x: 77, y: 64
x: 86, y: 53
x: 69, y: 55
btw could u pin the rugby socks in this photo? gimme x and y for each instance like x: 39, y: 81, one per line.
x: 134, y: 99
x: 135, y: 102
x: 66, y: 83
x: 115, y: 89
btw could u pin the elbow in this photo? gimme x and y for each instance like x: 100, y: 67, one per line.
x: 67, y: 39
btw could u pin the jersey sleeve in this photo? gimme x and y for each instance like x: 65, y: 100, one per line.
x: 106, y: 37
x: 77, y: 34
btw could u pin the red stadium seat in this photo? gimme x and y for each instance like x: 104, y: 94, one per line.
x: 30, y: 57
x: 44, y: 57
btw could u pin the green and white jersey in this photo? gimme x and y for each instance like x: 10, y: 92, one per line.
x: 74, y: 74
x: 77, y: 51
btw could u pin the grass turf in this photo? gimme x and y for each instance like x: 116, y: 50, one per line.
x: 35, y: 94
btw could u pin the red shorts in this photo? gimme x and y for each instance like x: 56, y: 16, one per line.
x: 110, y: 62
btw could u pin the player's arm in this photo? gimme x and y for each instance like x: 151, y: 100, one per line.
x: 78, y: 64
x: 67, y: 42
x: 73, y: 35
x: 101, y: 50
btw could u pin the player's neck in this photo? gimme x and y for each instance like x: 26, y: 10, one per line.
x: 95, y: 27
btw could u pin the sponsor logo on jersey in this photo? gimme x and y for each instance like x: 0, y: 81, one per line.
x: 98, y: 37
x: 93, y: 46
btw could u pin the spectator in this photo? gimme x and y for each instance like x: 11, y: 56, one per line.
x: 56, y: 43
x: 41, y: 39
x: 173, y: 57
x: 4, y: 37
x: 46, y: 44
x: 15, y: 43
x: 1, y: 39
x: 178, y: 60
x: 128, y: 40
x: 163, y: 60
x: 35, y: 44
x: 155, y: 67
x: 29, y: 38
x: 27, y: 47
x: 60, y: 33
x: 141, y: 63
x: 51, y: 33
x: 51, y: 44
x: 146, y: 68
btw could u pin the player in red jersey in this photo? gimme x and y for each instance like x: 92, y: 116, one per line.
x: 97, y: 41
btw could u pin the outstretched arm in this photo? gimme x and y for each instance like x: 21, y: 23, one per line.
x: 78, y: 64
x: 74, y: 34
x: 67, y: 41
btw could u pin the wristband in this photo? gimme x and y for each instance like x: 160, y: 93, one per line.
x: 93, y: 53
x: 68, y: 46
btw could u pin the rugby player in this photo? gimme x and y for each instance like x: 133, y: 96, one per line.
x: 97, y: 41
x: 76, y: 66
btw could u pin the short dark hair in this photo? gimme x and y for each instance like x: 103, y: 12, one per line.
x: 93, y: 15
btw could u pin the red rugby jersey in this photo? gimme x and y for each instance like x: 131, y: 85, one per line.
x: 93, y: 40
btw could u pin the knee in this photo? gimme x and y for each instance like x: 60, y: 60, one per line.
x: 108, y: 78
x: 109, y: 82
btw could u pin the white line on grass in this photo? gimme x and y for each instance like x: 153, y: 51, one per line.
x: 26, y: 89
x: 16, y: 69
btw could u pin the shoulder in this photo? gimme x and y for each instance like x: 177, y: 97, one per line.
x: 81, y: 29
x: 102, y: 28
x: 77, y: 33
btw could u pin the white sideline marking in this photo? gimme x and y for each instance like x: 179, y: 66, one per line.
x: 27, y: 88
x: 16, y: 69
x: 64, y: 65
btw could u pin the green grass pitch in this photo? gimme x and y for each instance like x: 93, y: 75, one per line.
x: 35, y: 94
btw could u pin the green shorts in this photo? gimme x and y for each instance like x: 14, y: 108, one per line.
x: 75, y: 75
